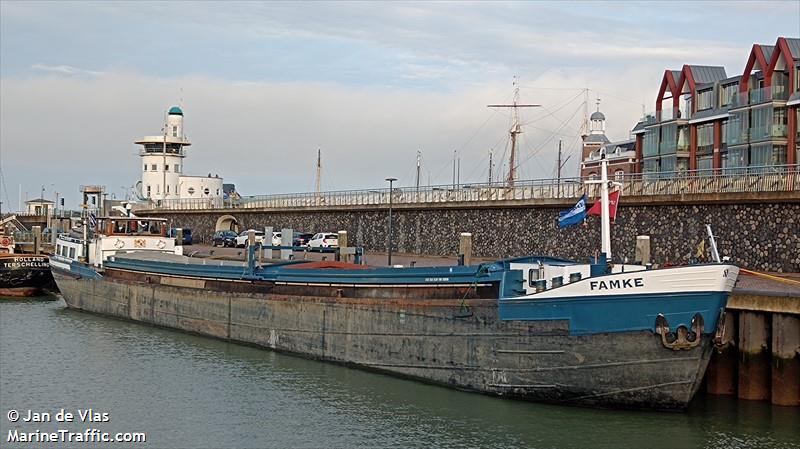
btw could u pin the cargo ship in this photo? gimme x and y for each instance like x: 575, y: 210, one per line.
x: 536, y: 328
x: 22, y: 275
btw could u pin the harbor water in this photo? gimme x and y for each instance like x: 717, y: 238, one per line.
x: 184, y: 391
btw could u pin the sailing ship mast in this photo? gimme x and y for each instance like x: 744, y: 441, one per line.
x: 516, y: 128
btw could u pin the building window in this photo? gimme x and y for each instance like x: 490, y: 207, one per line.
x: 145, y: 167
x: 174, y: 131
x: 683, y: 139
x: 705, y: 99
x: 779, y: 123
x: 166, y: 167
x: 705, y: 164
x: 148, y: 191
x: 650, y: 142
x: 738, y: 128
x: 217, y: 192
x: 760, y: 123
x: 649, y: 167
x: 669, y: 139
x: 158, y: 189
x: 167, y: 188
x: 72, y: 252
x: 767, y: 154
x: 705, y: 138
x: 177, y: 168
x: 191, y: 190
x: 206, y: 191
x: 728, y: 94
x: 737, y: 157
x: 153, y: 167
x: 619, y: 175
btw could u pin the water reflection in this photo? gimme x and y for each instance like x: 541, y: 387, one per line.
x: 191, y: 391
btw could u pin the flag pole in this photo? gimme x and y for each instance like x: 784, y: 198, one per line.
x: 605, y: 219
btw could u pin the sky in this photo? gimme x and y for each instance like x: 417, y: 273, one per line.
x: 264, y: 85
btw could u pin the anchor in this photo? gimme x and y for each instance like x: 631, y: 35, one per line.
x: 682, y: 338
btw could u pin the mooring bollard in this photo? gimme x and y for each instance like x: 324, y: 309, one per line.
x: 268, y: 242
x: 642, y: 254
x: 287, y: 239
x: 465, y: 247
x: 343, y: 244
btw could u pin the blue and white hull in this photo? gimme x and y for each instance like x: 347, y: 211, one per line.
x: 608, y: 349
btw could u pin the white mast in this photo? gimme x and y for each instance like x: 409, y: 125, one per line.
x: 605, y: 219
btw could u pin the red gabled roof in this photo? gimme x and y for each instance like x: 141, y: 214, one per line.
x: 782, y: 50
x: 756, y: 55
x: 668, y: 82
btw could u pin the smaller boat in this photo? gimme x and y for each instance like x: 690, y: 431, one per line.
x: 22, y: 274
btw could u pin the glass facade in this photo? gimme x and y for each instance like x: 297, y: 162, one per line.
x: 737, y: 128
x: 705, y: 164
x: 728, y: 94
x: 669, y: 139
x: 705, y: 138
x: 705, y: 99
x: 760, y: 123
x: 779, y: 123
x: 650, y: 142
x: 669, y: 163
x: 767, y: 154
x: 737, y: 157
x: 683, y: 139
x: 650, y: 166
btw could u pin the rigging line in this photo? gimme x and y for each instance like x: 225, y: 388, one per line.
x: 549, y: 139
x: 552, y: 88
x: 484, y: 159
x: 606, y: 94
x: 458, y: 151
x: 551, y: 113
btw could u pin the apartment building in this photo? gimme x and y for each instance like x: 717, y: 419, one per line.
x: 705, y: 119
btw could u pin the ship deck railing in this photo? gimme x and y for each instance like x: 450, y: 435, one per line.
x: 773, y: 178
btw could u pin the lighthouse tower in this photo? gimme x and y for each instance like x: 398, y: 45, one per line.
x: 162, y: 159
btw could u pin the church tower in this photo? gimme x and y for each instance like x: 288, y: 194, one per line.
x: 597, y: 133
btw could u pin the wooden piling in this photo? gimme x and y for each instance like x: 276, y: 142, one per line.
x: 754, y: 357
x: 37, y: 239
x: 722, y: 370
x: 785, y: 359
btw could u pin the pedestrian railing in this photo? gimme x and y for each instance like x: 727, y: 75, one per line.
x: 712, y: 181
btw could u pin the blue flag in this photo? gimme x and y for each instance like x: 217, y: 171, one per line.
x: 573, y: 216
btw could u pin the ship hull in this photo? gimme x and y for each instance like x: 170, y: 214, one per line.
x: 460, y: 344
x: 23, y: 275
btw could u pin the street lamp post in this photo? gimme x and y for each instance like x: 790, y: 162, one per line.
x: 391, y: 194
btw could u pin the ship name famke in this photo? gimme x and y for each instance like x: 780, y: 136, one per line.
x: 616, y: 284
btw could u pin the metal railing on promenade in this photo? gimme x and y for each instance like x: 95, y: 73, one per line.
x: 712, y: 181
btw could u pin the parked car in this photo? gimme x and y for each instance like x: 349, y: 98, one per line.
x: 187, y: 235
x: 241, y: 239
x: 224, y: 239
x: 324, y: 240
x: 301, y: 238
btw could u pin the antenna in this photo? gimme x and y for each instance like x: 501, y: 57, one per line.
x: 515, y: 129
x: 585, y: 127
x: 319, y: 170
x: 490, y: 166
x: 419, y: 159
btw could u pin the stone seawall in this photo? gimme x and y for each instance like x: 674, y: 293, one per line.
x: 763, y: 236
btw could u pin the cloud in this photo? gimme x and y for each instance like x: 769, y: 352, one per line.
x: 64, y: 70
x: 263, y: 136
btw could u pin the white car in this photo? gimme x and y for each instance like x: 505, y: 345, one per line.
x: 241, y: 239
x: 324, y: 240
x: 276, y: 239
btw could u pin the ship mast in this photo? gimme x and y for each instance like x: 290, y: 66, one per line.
x: 516, y: 128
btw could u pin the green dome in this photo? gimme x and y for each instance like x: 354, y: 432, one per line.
x: 175, y: 111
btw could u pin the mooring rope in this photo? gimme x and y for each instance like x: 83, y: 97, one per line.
x: 769, y: 276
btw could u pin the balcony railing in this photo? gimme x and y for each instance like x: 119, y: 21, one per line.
x: 762, y: 95
x: 739, y: 179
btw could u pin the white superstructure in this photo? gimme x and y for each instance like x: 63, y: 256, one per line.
x: 163, y: 163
